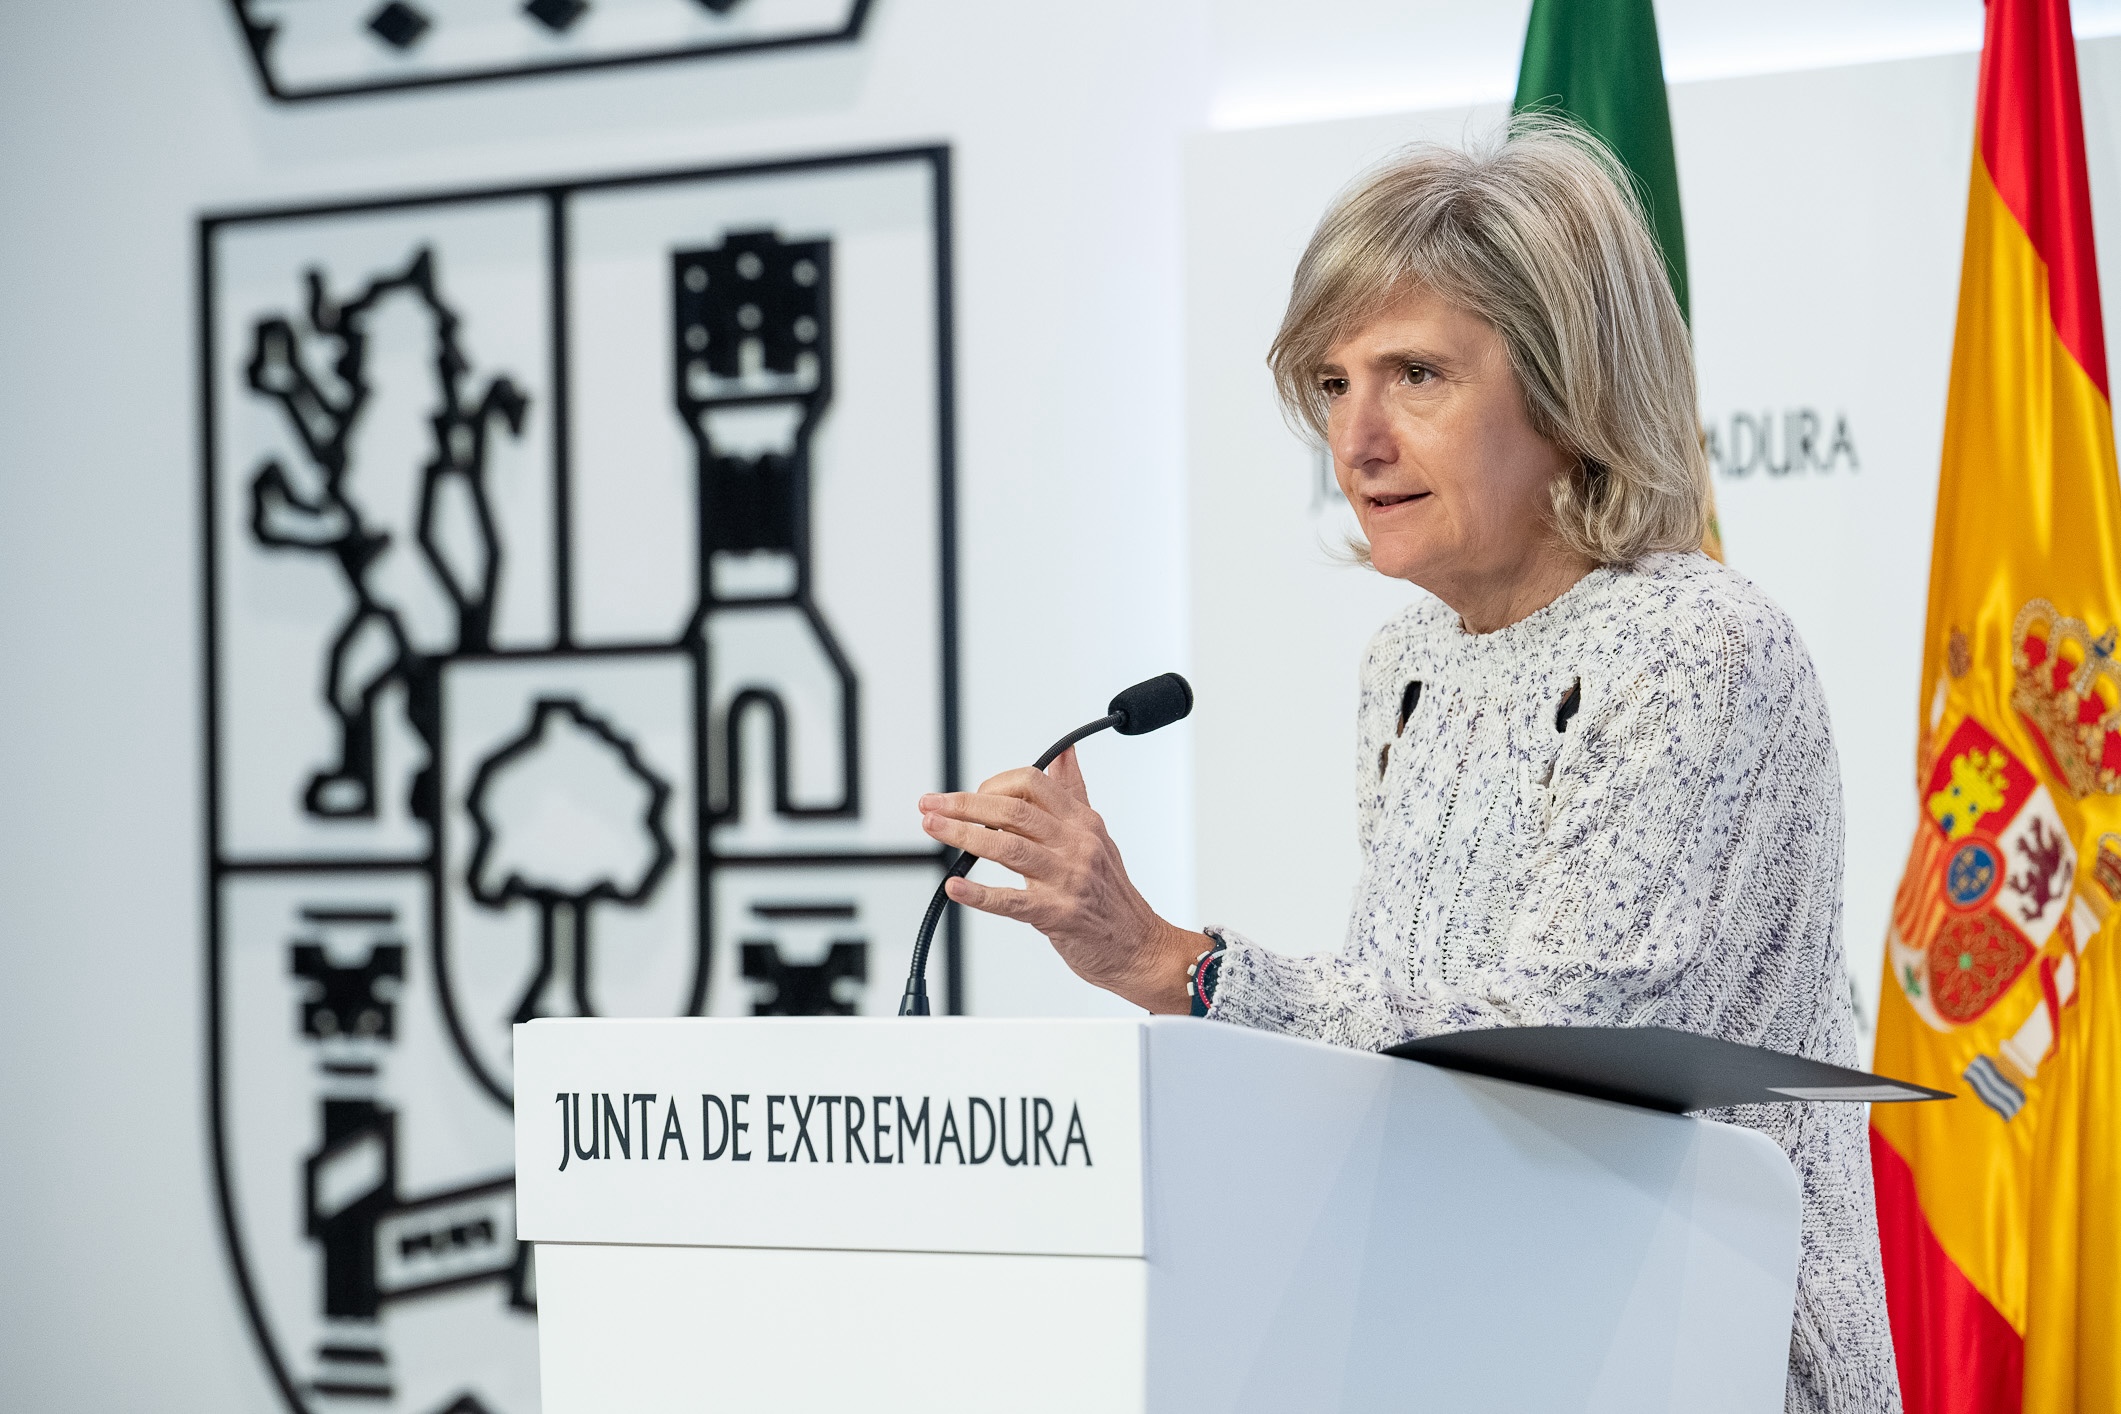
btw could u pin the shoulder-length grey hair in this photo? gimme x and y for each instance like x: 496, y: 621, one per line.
x: 1541, y: 235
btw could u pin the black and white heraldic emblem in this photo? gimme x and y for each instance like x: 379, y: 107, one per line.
x: 579, y: 629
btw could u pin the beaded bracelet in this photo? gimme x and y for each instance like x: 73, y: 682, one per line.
x: 1201, y: 977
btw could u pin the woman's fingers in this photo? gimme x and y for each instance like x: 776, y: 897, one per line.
x: 1022, y: 802
x: 1033, y: 823
x: 1037, y: 788
x: 1067, y: 773
x: 1040, y: 825
x: 1008, y: 903
x: 1012, y: 851
x: 996, y: 812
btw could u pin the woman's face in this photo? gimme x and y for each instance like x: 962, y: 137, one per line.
x: 1435, y: 453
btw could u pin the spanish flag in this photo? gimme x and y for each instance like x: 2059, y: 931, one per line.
x: 1998, y: 1211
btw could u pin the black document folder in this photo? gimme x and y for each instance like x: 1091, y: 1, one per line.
x: 1654, y: 1066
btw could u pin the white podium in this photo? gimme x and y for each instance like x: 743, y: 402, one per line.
x: 1154, y: 1215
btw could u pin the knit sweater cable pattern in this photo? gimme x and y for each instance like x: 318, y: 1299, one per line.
x: 1670, y: 856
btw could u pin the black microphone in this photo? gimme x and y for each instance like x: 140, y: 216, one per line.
x: 1141, y: 708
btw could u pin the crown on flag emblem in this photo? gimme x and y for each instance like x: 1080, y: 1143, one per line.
x: 2068, y: 689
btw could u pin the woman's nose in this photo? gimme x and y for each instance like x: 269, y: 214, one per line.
x: 1359, y: 433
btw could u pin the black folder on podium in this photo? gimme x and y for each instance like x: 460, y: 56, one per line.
x: 1655, y: 1067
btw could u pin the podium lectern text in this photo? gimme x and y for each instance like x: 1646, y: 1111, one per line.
x: 1154, y: 1215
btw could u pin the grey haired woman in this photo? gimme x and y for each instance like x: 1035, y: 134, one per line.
x: 1595, y: 776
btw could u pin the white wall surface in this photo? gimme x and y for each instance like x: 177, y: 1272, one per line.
x: 120, y: 122
x: 1366, y: 57
x: 1824, y: 212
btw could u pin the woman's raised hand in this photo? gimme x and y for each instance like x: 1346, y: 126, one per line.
x: 1039, y: 824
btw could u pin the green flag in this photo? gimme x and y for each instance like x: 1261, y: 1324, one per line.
x: 1598, y: 62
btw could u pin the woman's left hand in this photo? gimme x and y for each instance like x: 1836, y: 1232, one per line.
x: 1040, y: 825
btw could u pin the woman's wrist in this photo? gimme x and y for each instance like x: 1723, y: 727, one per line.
x: 1164, y: 981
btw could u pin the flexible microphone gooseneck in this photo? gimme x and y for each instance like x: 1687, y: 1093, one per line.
x: 1141, y: 708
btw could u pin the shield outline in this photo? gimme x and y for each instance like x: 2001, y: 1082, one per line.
x: 216, y: 868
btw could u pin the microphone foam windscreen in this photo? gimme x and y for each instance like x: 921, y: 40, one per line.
x: 1148, y: 705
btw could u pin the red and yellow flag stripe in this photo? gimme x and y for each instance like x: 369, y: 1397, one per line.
x: 1997, y: 1211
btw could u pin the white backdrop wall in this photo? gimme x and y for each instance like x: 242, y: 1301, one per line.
x: 123, y: 121
x: 1823, y: 218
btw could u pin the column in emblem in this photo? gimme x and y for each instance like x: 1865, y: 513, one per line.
x: 375, y: 1244
x: 351, y: 962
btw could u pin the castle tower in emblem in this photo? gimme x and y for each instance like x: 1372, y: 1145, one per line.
x: 753, y: 366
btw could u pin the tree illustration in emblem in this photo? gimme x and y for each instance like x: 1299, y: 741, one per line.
x: 564, y: 815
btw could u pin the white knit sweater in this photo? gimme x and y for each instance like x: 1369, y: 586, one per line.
x: 1672, y: 857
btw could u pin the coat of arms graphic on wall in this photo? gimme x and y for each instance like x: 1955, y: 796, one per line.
x: 579, y: 627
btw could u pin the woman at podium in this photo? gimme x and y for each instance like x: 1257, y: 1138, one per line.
x: 1595, y: 779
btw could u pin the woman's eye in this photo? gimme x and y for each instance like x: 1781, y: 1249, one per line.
x: 1417, y: 375
x: 1333, y: 387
